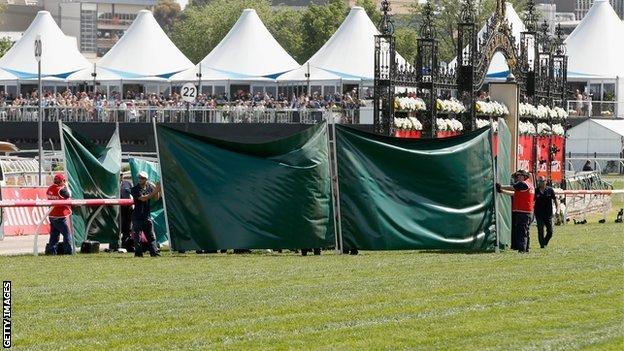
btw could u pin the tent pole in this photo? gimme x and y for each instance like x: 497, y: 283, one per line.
x: 60, y: 124
x: 162, y: 186
x: 334, y: 164
x: 495, y: 179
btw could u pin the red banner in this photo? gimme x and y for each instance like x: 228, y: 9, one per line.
x: 24, y: 220
x: 557, y: 166
x: 409, y: 134
x: 525, y: 153
x: 543, y: 145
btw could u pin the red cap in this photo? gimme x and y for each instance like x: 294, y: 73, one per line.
x: 59, y: 177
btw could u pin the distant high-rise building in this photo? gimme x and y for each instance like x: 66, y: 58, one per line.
x: 583, y: 6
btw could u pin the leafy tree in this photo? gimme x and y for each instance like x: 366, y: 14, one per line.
x: 5, y: 45
x: 318, y: 23
x: 166, y: 13
x: 371, y: 8
x: 285, y: 25
x: 405, y: 39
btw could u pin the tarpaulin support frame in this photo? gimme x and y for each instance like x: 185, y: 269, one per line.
x: 335, y: 188
x: 162, y: 186
x: 495, y: 181
x: 62, y: 139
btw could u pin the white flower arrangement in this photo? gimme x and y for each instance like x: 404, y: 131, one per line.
x: 557, y: 129
x: 527, y: 110
x: 484, y: 123
x: 450, y: 106
x: 542, y: 112
x: 446, y: 124
x: 543, y: 129
x: 560, y: 113
x: 493, y: 108
x: 410, y: 123
x: 409, y: 104
x: 526, y: 128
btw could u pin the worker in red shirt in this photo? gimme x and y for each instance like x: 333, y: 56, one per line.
x: 522, y: 204
x: 58, y: 217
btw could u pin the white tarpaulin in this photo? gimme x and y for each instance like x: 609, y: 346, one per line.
x: 59, y: 57
x: 596, y: 47
x: 144, y: 52
x: 347, y: 55
x: 248, y: 52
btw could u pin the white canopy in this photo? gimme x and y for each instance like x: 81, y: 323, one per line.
x: 596, y: 47
x: 347, y: 55
x: 6, y: 76
x: 102, y: 75
x: 247, y: 52
x: 59, y: 56
x: 498, y: 65
x: 144, y: 52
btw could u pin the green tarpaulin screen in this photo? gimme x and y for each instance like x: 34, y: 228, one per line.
x: 158, y: 213
x: 503, y: 174
x: 229, y: 195
x: 93, y: 173
x: 399, y: 194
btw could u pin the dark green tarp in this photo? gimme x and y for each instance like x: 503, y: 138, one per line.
x: 503, y: 173
x: 158, y: 213
x: 229, y: 195
x: 399, y: 194
x: 93, y: 173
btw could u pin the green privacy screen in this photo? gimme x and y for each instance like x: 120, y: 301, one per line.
x: 399, y: 194
x: 158, y: 214
x: 229, y: 195
x: 93, y: 173
x: 503, y: 173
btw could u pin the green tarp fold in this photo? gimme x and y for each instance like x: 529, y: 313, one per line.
x: 93, y: 173
x: 400, y: 194
x: 158, y: 213
x: 503, y: 174
x: 229, y: 195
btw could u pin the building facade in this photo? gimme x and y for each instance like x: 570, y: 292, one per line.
x: 583, y: 6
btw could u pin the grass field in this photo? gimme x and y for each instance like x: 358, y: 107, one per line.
x: 569, y: 296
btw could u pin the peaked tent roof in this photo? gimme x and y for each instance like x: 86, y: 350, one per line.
x: 247, y: 52
x: 144, y: 51
x: 498, y: 65
x: 596, y: 47
x: 59, y: 56
x: 347, y: 55
x: 102, y: 75
x: 615, y: 125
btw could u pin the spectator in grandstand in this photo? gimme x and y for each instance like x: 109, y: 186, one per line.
x: 58, y: 218
x: 587, y: 167
x: 522, y: 205
x: 142, y: 193
x: 544, y: 199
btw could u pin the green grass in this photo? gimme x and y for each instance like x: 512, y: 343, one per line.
x: 567, y: 297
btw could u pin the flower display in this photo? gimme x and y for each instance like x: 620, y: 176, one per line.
x: 492, y: 108
x: 543, y: 129
x: 527, y: 110
x: 560, y: 113
x: 410, y: 123
x: 542, y: 112
x: 557, y: 129
x: 409, y: 104
x: 526, y: 128
x: 484, y: 123
x: 450, y: 106
x: 446, y: 124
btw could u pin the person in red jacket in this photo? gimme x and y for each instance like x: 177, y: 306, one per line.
x: 58, y: 216
x: 522, y: 204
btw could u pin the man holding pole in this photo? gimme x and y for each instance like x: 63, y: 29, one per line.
x: 58, y: 216
x: 522, y: 204
x: 142, y: 193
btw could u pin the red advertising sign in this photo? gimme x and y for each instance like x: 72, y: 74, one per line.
x: 543, y: 145
x: 24, y: 220
x: 525, y: 152
x: 557, y: 166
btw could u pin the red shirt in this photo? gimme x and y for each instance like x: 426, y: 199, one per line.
x: 523, y: 198
x: 59, y: 192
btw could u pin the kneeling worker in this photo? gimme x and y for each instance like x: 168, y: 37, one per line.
x: 522, y: 203
x: 58, y: 216
x: 142, y: 193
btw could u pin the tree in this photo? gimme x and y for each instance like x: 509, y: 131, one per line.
x: 447, y: 15
x: 318, y: 24
x: 405, y: 41
x: 372, y: 10
x: 285, y: 25
x: 5, y: 45
x: 166, y: 13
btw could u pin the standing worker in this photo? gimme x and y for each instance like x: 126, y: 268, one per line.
x: 544, y: 199
x: 142, y: 193
x: 58, y: 217
x: 125, y: 213
x: 522, y: 203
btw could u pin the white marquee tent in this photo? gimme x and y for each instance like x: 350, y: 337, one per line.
x: 605, y: 138
x: 498, y: 66
x: 347, y: 56
x: 144, y: 53
x: 59, y: 58
x: 248, y: 53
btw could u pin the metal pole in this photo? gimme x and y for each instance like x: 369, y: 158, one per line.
x: 60, y: 124
x: 40, y: 125
x: 495, y: 178
x: 162, y: 186
x: 339, y: 243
